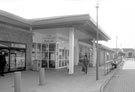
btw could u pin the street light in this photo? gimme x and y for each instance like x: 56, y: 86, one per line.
x: 116, y: 45
x: 97, y: 60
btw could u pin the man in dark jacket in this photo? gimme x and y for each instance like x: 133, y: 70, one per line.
x: 2, y: 63
x: 85, y: 64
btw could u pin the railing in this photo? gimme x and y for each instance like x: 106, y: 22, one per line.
x: 108, y: 66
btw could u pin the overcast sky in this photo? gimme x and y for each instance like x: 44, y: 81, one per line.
x: 116, y: 17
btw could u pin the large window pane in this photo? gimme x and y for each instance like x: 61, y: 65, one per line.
x: 52, y: 47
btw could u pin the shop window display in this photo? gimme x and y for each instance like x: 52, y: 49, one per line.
x: 15, y: 54
x: 54, y: 54
x: 17, y: 59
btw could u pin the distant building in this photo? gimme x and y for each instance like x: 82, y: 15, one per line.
x: 129, y: 52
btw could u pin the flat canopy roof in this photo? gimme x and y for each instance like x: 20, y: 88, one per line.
x: 83, y: 22
x: 106, y: 48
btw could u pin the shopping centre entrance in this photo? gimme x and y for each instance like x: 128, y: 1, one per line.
x: 51, y: 54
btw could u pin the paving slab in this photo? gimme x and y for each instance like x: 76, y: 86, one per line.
x: 124, y: 79
x: 57, y: 81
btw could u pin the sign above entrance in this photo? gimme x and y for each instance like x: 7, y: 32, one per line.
x: 49, y: 40
x: 18, y: 45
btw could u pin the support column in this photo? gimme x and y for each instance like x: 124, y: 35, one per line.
x: 76, y: 52
x: 94, y: 53
x: 71, y: 50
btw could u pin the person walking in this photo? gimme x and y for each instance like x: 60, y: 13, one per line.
x: 85, y: 64
x: 2, y: 63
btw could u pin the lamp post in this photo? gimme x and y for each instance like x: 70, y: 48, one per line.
x: 116, y: 45
x: 97, y: 36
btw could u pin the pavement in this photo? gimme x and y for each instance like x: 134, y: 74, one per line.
x: 124, y: 78
x: 57, y: 81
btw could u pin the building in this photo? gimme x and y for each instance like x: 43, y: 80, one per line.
x: 106, y: 54
x: 63, y: 41
x: 15, y: 41
x: 129, y: 52
x: 56, y: 42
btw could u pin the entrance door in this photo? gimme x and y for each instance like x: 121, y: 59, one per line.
x: 6, y: 50
x: 17, y: 59
x: 52, y: 55
x: 48, y: 55
x: 20, y: 59
x: 45, y: 55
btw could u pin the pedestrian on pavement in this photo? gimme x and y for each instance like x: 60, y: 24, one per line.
x: 2, y: 63
x: 85, y: 64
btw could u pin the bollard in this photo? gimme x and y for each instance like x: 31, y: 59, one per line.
x: 41, y: 76
x: 17, y: 82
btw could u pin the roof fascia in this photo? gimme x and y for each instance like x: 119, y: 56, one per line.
x: 14, y: 17
x: 101, y: 32
x: 57, y: 20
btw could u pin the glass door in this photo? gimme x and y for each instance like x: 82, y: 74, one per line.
x: 20, y: 59
x: 52, y: 55
x: 45, y: 55
x: 17, y: 59
x: 15, y: 54
x: 48, y: 55
x: 6, y: 50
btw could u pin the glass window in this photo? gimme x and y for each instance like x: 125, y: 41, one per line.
x: 45, y: 47
x: 45, y: 55
x: 33, y: 47
x: 52, y: 56
x: 33, y: 51
x: 17, y: 59
x: 38, y: 47
x: 39, y: 55
x: 52, y: 47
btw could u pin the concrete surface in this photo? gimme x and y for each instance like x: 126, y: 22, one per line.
x: 57, y: 81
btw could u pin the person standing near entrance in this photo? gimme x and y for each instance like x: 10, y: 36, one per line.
x: 85, y: 64
x: 2, y: 63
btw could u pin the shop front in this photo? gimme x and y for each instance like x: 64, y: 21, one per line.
x: 56, y: 41
x: 51, y: 52
x: 15, y: 41
x: 15, y: 54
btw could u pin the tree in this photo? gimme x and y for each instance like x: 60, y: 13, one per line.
x: 130, y: 54
x: 121, y: 53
